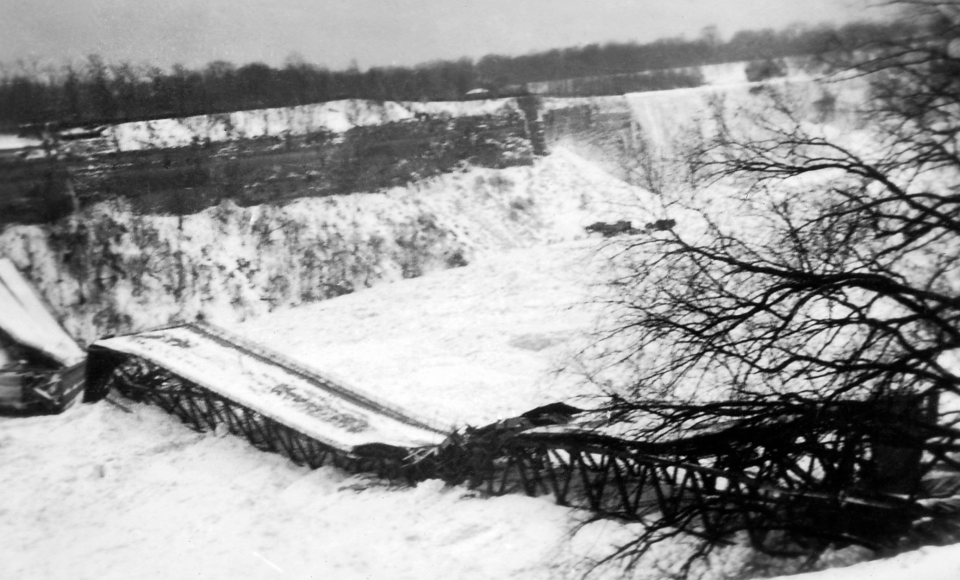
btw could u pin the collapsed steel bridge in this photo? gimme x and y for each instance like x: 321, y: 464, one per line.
x: 836, y: 484
x: 847, y: 490
x: 212, y: 380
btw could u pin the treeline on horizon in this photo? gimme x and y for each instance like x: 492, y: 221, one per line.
x: 95, y: 91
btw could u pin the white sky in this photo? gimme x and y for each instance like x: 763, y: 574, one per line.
x: 374, y: 32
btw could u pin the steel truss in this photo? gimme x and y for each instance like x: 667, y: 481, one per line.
x: 711, y: 488
x: 788, y: 504
x: 203, y: 410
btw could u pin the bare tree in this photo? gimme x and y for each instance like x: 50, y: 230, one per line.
x: 814, y: 315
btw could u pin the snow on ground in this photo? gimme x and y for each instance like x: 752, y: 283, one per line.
x: 101, y: 494
x: 229, y: 262
x: 932, y: 563
x: 466, y: 346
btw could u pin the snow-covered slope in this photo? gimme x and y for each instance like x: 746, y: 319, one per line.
x: 111, y: 270
x: 932, y: 563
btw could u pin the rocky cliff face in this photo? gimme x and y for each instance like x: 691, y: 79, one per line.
x: 182, y: 166
x: 110, y: 269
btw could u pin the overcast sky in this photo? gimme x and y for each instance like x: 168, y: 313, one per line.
x: 373, y: 32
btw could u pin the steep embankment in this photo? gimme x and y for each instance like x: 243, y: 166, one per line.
x: 111, y: 270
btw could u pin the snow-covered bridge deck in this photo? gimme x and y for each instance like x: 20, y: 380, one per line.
x: 262, y: 382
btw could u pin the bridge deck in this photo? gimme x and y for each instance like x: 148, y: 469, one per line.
x: 299, y: 398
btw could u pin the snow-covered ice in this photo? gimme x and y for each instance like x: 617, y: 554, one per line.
x: 139, y: 495
x: 469, y: 345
